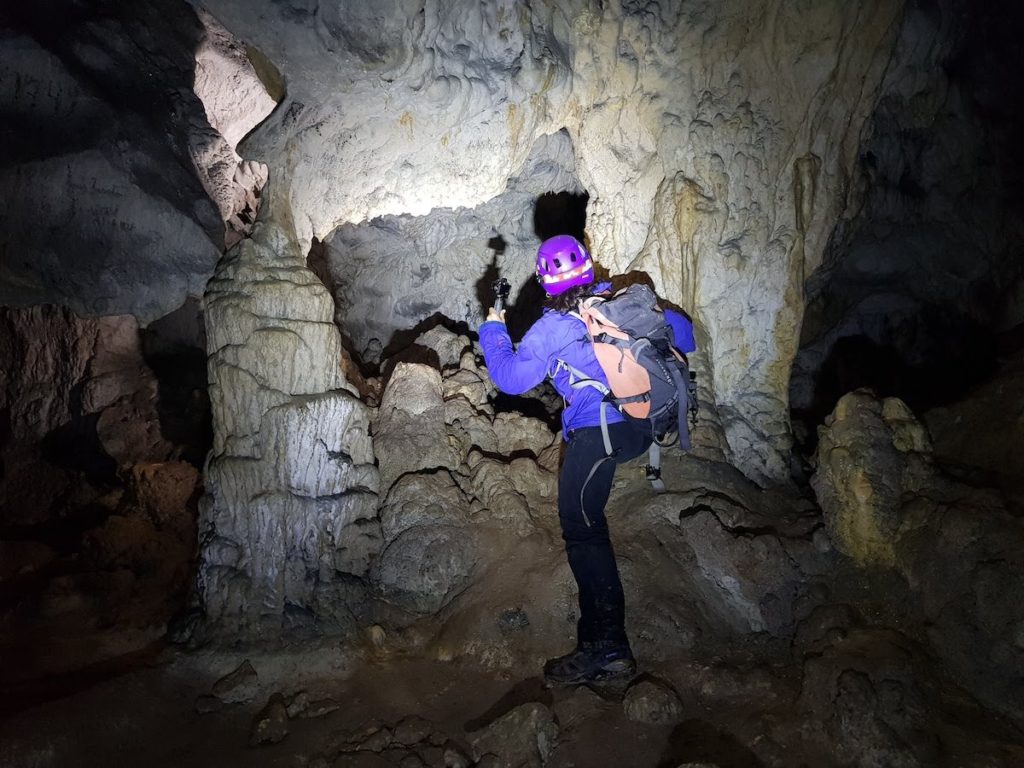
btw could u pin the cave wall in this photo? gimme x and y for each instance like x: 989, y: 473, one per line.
x: 97, y: 505
x: 120, y: 125
x: 97, y: 177
x: 715, y: 143
x: 717, y: 147
x: 394, y: 272
x: 923, y: 269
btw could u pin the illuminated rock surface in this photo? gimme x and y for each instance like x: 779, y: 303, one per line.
x: 378, y: 529
x: 709, y: 160
x: 292, y: 473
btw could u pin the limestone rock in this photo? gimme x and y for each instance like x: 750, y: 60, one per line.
x: 869, y: 453
x: 721, y: 684
x: 296, y: 704
x: 893, y: 510
x: 704, y: 213
x: 516, y: 433
x: 371, y: 737
x: 412, y: 730
x: 581, y: 706
x: 472, y: 385
x: 207, y: 704
x: 409, y: 430
x: 923, y: 207
x: 423, y: 499
x: 271, y: 725
x: 238, y: 686
x: 235, y: 101
x: 319, y: 708
x: 48, y: 353
x: 982, y: 430
x: 100, y: 156
x: 448, y: 345
x: 521, y: 738
x: 863, y: 700
x: 514, y: 493
x: 653, y: 702
x: 749, y: 579
x: 445, y: 257
x: 162, y: 492
x: 455, y: 757
x: 291, y: 483
x: 425, y: 567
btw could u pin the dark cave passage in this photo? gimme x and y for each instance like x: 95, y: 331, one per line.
x: 935, y: 362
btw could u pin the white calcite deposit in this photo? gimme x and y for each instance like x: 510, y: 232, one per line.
x: 716, y: 143
x: 291, y: 474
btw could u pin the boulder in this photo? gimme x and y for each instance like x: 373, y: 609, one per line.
x: 870, y: 452
x: 653, y: 702
x: 956, y: 548
x: 238, y: 686
x: 425, y: 567
x: 522, y: 738
x: 271, y: 724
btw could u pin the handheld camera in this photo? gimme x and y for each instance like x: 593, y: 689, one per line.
x: 501, y: 288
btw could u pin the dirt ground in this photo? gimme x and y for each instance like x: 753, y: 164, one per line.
x: 145, y: 715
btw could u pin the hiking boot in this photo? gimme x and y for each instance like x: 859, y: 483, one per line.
x: 588, y: 664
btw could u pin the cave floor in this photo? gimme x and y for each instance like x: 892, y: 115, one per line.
x: 143, y: 713
x: 146, y: 716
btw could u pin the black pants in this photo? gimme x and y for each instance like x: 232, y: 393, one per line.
x: 588, y: 547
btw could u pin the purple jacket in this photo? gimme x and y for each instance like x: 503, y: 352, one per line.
x: 552, y: 338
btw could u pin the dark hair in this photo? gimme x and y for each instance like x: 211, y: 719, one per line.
x: 568, y: 301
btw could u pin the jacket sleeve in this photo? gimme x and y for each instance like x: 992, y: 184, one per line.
x: 512, y: 370
x: 682, y: 331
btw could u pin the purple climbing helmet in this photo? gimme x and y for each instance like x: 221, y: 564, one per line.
x: 563, y: 263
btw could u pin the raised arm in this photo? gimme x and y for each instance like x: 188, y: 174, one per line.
x: 513, y: 370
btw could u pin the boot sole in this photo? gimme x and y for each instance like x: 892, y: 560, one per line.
x: 616, y: 672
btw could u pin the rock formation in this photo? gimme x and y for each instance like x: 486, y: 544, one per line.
x: 235, y: 101
x: 923, y: 272
x: 723, y: 186
x: 338, y: 183
x: 97, y: 512
x: 957, y: 548
x: 101, y: 194
x: 291, y: 474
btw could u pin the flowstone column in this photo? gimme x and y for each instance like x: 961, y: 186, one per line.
x: 290, y: 512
